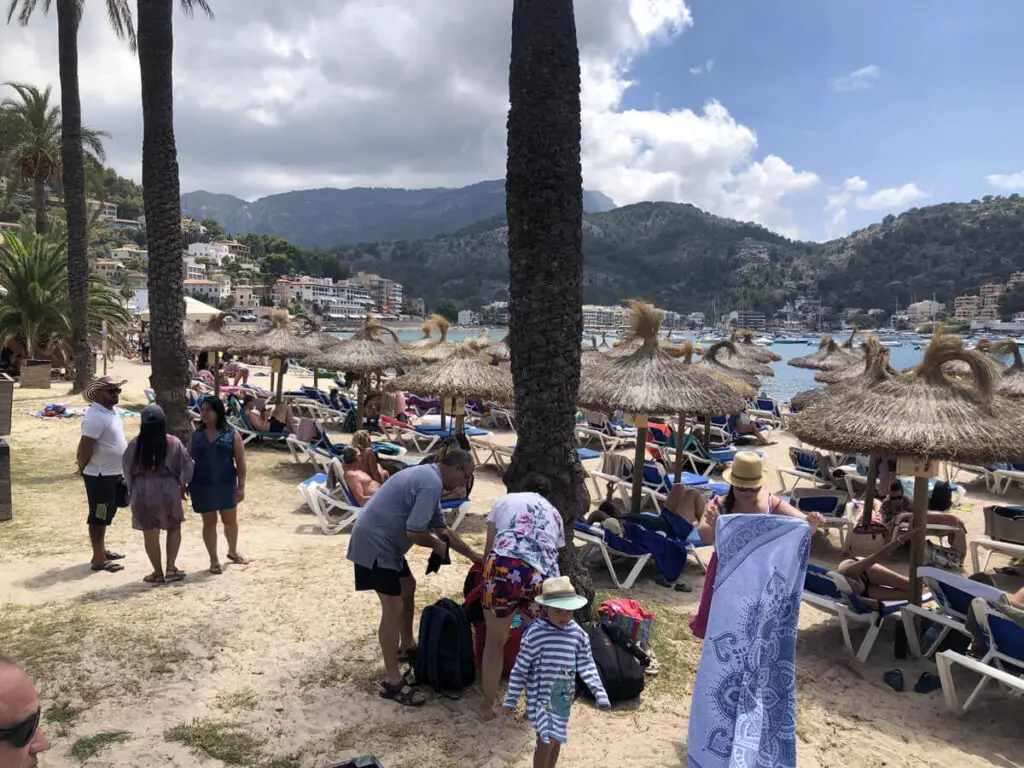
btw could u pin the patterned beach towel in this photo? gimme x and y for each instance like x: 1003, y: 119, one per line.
x: 743, y: 712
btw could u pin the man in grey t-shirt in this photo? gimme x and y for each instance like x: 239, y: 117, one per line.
x: 406, y: 510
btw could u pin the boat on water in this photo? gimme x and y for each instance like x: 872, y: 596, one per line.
x: 764, y: 341
x: 791, y: 340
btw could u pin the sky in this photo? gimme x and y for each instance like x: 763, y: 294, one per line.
x: 811, y: 117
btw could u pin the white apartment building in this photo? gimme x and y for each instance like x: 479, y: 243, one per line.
x: 108, y: 211
x: 107, y: 269
x: 335, y: 298
x: 387, y: 295
x: 923, y: 311
x: 193, y: 269
x: 126, y: 252
x: 496, y: 312
x: 215, y: 252
x: 468, y: 317
x: 599, y: 316
x: 210, y: 291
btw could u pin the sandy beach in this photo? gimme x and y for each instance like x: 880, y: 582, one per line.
x: 274, y: 664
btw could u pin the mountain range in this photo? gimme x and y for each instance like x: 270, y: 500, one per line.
x: 685, y: 259
x: 322, y: 218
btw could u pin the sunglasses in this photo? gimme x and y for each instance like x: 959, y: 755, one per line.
x: 746, y: 489
x: 21, y: 734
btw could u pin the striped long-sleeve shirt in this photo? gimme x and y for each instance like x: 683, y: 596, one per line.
x: 546, y: 667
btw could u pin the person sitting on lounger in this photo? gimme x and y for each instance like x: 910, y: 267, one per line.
x: 869, y: 578
x: 279, y: 421
x: 897, y: 510
x: 747, y: 427
x: 363, y: 444
x: 360, y: 484
x: 683, y: 502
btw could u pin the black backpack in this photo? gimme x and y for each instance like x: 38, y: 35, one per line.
x: 444, y: 660
x: 619, y: 669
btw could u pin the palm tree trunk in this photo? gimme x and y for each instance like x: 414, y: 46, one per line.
x: 39, y: 203
x: 74, y: 191
x: 162, y: 198
x: 544, y: 206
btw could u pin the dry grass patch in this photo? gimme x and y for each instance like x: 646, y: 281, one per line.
x: 44, y: 638
x: 245, y: 699
x: 90, y: 746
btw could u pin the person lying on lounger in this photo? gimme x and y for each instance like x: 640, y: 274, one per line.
x: 682, y: 501
x: 279, y: 421
x: 869, y: 578
x: 360, y: 484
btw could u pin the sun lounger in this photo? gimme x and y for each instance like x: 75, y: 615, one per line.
x: 609, y: 545
x: 953, y: 595
x: 807, y: 464
x: 765, y: 410
x: 829, y: 592
x: 1003, y: 663
x: 424, y: 437
x: 1006, y: 475
x: 324, y: 501
x: 249, y: 433
x: 832, y: 505
x: 991, y: 545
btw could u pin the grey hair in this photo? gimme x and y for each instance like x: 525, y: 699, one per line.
x: 457, y: 457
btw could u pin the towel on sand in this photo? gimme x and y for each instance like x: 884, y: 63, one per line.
x: 743, y: 711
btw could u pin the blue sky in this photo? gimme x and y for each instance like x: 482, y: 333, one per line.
x: 939, y: 103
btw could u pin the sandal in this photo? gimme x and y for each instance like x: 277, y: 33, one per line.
x: 114, y: 555
x: 238, y: 559
x: 216, y: 569
x: 403, y: 693
x: 174, y: 575
x: 153, y: 578
x: 108, y: 566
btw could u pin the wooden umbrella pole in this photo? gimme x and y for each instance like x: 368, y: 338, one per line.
x: 360, y: 389
x: 280, y: 381
x: 869, y: 492
x: 920, y: 529
x: 638, y: 468
x: 680, y: 439
x: 707, y: 431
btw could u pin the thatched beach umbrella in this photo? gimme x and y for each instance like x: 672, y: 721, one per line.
x: 1011, y: 380
x: 440, y: 349
x: 647, y: 382
x: 499, y: 351
x: 278, y: 342
x: 368, y: 351
x: 481, y: 341
x: 751, y: 351
x: 213, y: 338
x: 592, y: 355
x: 808, y: 397
x: 927, y: 416
x: 829, y: 357
x: 871, y: 347
x: 432, y: 323
x: 723, y: 357
x: 459, y: 376
x: 319, y: 341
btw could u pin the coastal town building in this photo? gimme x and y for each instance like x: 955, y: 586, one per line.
x: 468, y: 317
x: 108, y: 211
x: 107, y: 269
x: 209, y: 291
x: 415, y: 307
x: 334, y: 298
x: 966, y: 307
x: 754, y: 321
x: 923, y: 311
x: 386, y: 294
x: 495, y: 313
x: 128, y: 252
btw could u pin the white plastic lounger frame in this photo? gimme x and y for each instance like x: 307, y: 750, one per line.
x: 593, y: 541
x: 984, y: 542
x: 323, y: 502
x: 949, y: 619
x: 609, y: 443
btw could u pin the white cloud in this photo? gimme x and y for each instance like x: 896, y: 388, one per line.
x: 852, y: 194
x: 1006, y: 181
x: 859, y: 79
x: 707, y: 66
x: 405, y: 93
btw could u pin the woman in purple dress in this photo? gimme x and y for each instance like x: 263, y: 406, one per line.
x: 157, y: 468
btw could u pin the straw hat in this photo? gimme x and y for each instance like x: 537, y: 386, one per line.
x: 559, y: 593
x: 94, y: 386
x: 747, y: 471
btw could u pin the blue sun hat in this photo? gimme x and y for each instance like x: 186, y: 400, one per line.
x: 558, y: 592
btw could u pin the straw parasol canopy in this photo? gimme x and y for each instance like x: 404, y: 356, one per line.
x: 368, y: 350
x: 829, y: 357
x: 1011, y: 380
x: 462, y: 374
x: 440, y: 349
x: 592, y: 355
x: 739, y: 386
x: 432, y: 323
x: 481, y: 341
x: 279, y: 341
x: 212, y: 336
x: 871, y: 347
x: 927, y: 415
x: 649, y: 381
x: 746, y: 371
x: 751, y: 351
x: 807, y: 398
x: 499, y: 351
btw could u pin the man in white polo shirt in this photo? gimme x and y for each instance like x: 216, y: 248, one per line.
x: 99, y: 461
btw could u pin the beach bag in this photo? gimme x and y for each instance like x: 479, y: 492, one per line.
x: 1005, y: 524
x: 942, y: 557
x: 631, y: 618
x: 444, y: 660
x: 620, y: 671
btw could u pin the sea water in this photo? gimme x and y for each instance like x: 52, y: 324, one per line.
x: 786, y: 382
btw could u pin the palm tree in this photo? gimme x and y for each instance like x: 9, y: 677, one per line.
x: 73, y: 139
x: 544, y: 207
x: 32, y: 150
x: 35, y: 304
x: 162, y: 198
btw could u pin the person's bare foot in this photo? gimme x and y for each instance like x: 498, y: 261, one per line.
x: 487, y: 713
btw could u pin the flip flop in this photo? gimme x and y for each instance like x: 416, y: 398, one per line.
x: 239, y: 559
x: 114, y: 555
x: 108, y: 566
x: 927, y: 683
x: 1007, y: 570
x: 217, y: 569
x: 174, y: 576
x: 894, y: 679
x: 153, y: 579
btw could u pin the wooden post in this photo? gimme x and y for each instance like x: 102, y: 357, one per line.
x: 360, y: 389
x: 680, y: 437
x: 869, y: 492
x: 920, y: 529
x: 280, y: 380
x: 707, y: 431
x: 640, y: 422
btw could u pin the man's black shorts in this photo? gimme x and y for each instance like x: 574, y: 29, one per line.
x: 101, y: 490
x: 382, y: 580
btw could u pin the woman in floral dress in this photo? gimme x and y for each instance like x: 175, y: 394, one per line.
x: 524, y: 534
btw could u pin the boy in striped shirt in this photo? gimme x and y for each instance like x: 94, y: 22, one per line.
x: 553, y: 650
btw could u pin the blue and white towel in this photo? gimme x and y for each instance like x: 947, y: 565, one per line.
x: 743, y: 713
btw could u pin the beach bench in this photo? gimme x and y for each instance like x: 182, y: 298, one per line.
x: 1004, y: 662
